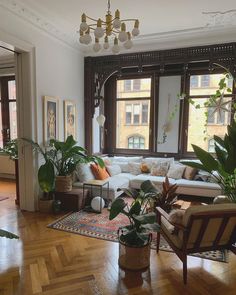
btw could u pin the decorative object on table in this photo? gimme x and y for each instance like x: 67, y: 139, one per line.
x: 167, y: 197
x: 60, y: 162
x: 70, y: 120
x: 74, y: 200
x: 223, y: 168
x: 45, y: 203
x: 51, y: 118
x: 221, y: 200
x: 101, y: 121
x: 135, y: 238
x: 97, y: 204
x: 111, y: 27
x: 96, y: 187
x: 11, y: 149
x: 99, y: 226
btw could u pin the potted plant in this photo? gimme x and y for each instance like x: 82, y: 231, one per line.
x: 135, y: 238
x: 7, y: 234
x: 223, y: 167
x: 60, y: 161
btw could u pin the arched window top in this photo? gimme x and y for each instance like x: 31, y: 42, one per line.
x: 136, y: 142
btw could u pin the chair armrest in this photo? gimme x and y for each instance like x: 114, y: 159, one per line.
x: 166, y: 216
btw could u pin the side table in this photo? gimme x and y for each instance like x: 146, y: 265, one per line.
x: 73, y: 200
x: 91, y: 184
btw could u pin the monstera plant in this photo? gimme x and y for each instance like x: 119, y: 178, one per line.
x: 222, y: 167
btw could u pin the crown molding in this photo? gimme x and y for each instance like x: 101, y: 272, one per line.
x: 34, y: 18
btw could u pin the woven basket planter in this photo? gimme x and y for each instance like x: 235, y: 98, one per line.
x: 63, y: 183
x: 45, y: 206
x: 134, y: 258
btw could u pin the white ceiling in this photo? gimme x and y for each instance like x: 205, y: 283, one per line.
x: 157, y: 17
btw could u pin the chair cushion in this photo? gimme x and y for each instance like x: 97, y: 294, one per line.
x: 169, y: 229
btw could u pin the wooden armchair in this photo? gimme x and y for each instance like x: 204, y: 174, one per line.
x: 203, y: 228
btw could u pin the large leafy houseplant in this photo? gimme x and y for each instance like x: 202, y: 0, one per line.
x: 141, y: 222
x: 223, y: 166
x: 11, y: 149
x: 60, y: 159
x: 7, y: 234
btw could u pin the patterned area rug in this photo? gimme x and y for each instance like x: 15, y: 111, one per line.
x: 2, y: 198
x: 99, y: 226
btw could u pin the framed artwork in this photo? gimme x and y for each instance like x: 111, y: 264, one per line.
x: 70, y: 118
x: 51, y: 118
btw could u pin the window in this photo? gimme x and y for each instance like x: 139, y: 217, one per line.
x: 133, y: 113
x: 8, y: 114
x: 127, y: 85
x: 200, y: 128
x: 211, y: 145
x: 136, y: 142
x: 194, y: 81
x: 205, y: 80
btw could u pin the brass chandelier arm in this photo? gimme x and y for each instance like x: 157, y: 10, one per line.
x: 104, y: 22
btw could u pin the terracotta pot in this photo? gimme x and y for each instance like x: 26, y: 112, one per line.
x: 134, y: 258
x: 45, y: 206
x: 63, y: 183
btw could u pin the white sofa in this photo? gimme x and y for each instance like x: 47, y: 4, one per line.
x: 125, y: 179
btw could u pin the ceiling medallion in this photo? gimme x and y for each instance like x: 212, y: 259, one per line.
x: 110, y: 28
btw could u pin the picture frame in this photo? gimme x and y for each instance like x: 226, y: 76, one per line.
x: 50, y: 118
x: 70, y: 119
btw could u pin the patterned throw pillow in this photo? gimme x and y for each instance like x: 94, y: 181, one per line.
x: 134, y: 168
x: 159, y: 169
x: 176, y: 171
x: 190, y: 173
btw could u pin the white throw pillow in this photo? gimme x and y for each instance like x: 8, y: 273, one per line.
x: 84, y: 172
x: 127, y: 159
x: 123, y: 166
x: 134, y: 168
x: 113, y: 169
x: 176, y: 171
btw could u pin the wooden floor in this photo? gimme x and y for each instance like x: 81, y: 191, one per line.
x: 46, y: 261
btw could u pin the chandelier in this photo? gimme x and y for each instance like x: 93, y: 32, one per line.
x: 110, y: 28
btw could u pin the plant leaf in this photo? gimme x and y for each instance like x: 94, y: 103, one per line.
x: 7, y: 234
x: 46, y: 176
x: 208, y: 162
x: 146, y: 218
x: 117, y: 207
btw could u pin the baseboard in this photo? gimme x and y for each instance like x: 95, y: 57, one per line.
x: 7, y: 176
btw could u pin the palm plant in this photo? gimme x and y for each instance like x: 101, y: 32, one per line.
x: 223, y: 167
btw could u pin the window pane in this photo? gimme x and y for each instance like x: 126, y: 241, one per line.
x: 13, y: 120
x: 203, y: 88
x: 211, y: 145
x: 128, y: 116
x: 126, y: 134
x: 145, y: 113
x: 1, y: 139
x: 12, y: 89
x: 197, y: 121
x: 134, y: 88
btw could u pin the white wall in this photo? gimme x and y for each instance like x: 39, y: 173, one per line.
x: 169, y: 88
x: 59, y: 69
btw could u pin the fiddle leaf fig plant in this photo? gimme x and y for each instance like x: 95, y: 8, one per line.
x: 141, y: 223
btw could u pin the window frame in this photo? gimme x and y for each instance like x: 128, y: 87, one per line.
x: 185, y: 153
x: 150, y: 115
x: 5, y: 107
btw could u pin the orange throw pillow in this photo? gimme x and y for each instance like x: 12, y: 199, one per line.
x: 98, y: 172
x: 145, y: 168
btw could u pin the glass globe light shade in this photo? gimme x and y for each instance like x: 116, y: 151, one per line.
x: 116, y: 48
x: 99, y: 32
x: 128, y: 44
x: 87, y: 39
x: 123, y: 36
x: 81, y: 39
x: 135, y: 32
x: 116, y: 23
x: 83, y: 26
x: 96, y: 47
x: 106, y: 45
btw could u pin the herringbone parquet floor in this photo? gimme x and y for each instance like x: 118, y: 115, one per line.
x: 45, y: 261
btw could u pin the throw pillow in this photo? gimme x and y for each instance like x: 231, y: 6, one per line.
x: 159, y: 169
x: 83, y: 172
x: 113, y: 169
x: 145, y: 168
x: 176, y: 171
x: 190, y: 173
x: 99, y: 172
x: 123, y: 166
x: 134, y: 168
x: 176, y: 217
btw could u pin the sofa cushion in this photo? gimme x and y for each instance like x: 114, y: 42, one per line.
x: 123, y: 166
x: 189, y: 173
x: 127, y: 159
x: 134, y: 168
x: 160, y: 169
x: 99, y: 172
x: 158, y: 160
x: 113, y: 169
x: 83, y: 172
x: 176, y: 171
x: 157, y: 180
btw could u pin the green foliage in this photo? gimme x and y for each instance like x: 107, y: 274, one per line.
x: 7, y: 234
x: 11, y: 149
x: 60, y: 159
x: 141, y: 222
x: 223, y: 168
